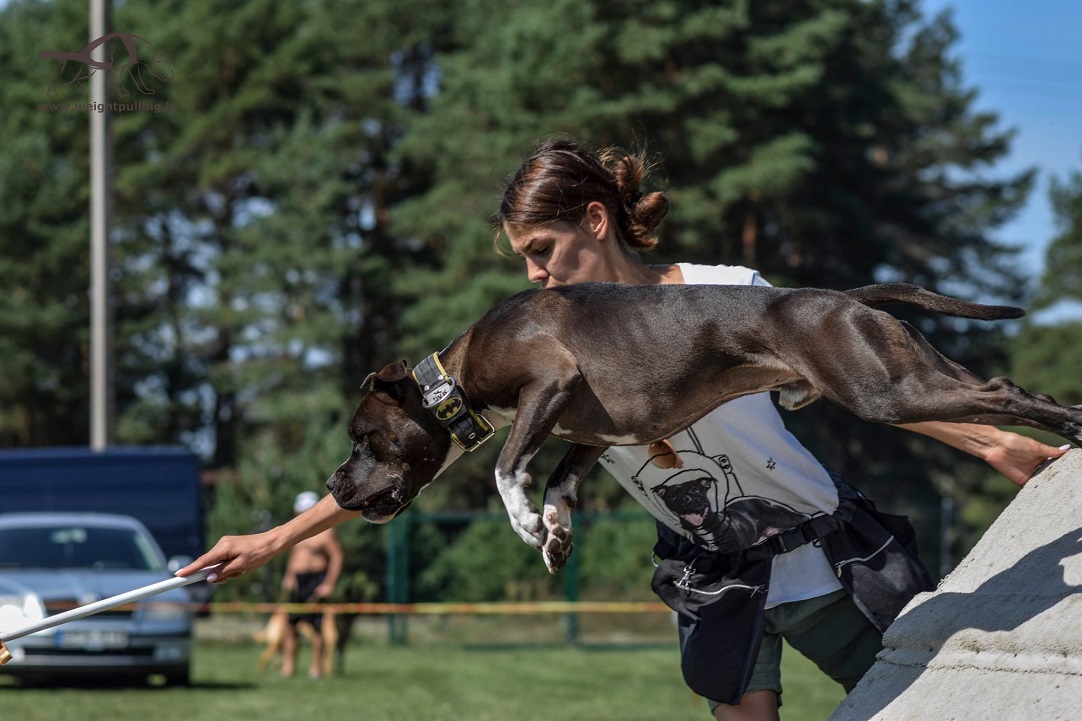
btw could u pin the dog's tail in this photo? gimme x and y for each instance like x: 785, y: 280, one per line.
x: 884, y: 293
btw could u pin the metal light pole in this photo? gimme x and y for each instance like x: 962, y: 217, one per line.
x: 102, y: 397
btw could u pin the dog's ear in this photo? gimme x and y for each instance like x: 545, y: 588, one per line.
x: 393, y: 372
x: 389, y: 380
x: 367, y: 384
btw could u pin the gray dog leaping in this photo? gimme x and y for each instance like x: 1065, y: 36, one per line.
x: 602, y: 364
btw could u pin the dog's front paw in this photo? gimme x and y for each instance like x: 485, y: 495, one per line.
x: 556, y: 554
x: 559, y: 539
x: 529, y: 527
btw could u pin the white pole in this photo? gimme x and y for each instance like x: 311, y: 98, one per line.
x: 106, y: 603
x: 101, y: 341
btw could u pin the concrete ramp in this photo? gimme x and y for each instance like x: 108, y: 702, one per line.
x: 1001, y: 638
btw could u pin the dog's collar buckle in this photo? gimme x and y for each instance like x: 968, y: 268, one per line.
x: 439, y: 392
x: 448, y: 404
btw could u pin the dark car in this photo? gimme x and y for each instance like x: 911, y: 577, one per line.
x: 53, y: 562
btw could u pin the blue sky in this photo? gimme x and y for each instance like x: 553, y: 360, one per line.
x: 1025, y: 58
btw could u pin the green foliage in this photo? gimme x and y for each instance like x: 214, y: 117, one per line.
x: 44, y: 231
x: 261, y: 175
x: 1048, y: 352
x: 488, y: 562
x: 485, y: 561
x: 615, y: 555
x: 1047, y: 358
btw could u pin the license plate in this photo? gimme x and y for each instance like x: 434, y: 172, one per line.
x: 92, y: 640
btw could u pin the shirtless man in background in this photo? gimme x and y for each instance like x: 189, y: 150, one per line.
x: 311, y: 572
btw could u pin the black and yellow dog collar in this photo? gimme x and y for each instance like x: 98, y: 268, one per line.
x: 448, y: 403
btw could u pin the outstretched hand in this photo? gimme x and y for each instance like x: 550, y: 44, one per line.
x: 237, y: 554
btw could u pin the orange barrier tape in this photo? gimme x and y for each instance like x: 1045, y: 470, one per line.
x: 478, y: 609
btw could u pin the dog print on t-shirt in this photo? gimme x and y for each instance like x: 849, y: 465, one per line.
x: 705, y: 501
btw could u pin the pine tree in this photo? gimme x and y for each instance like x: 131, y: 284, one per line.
x: 1048, y: 352
x: 254, y: 214
x: 44, y: 234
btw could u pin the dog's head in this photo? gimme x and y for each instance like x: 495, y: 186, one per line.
x: 398, y: 448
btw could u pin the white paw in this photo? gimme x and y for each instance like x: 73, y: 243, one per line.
x: 529, y: 527
x: 559, y: 538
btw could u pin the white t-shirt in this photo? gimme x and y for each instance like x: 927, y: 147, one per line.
x: 744, y: 477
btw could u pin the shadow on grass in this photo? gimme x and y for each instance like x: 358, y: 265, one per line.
x: 110, y: 684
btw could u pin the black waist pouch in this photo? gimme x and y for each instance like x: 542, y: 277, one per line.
x: 719, y: 604
x: 876, y: 558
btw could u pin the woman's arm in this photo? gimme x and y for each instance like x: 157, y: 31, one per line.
x: 1014, y: 455
x: 241, y: 554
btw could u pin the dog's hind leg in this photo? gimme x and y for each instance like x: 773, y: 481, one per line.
x: 935, y: 397
x: 997, y: 401
x: 561, y: 496
x: 329, y: 631
x: 1011, y: 405
x: 937, y: 360
x: 273, y: 633
x: 885, y: 371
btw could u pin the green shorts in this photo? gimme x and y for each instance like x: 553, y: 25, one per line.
x: 830, y: 630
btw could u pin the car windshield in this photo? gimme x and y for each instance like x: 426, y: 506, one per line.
x: 76, y: 546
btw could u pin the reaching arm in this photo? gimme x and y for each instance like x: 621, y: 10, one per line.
x: 241, y: 554
x: 1012, y: 454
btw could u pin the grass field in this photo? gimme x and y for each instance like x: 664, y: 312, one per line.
x: 433, y: 682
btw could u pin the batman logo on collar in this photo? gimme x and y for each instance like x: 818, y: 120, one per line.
x: 449, y: 408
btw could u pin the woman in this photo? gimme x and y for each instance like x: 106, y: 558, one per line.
x: 737, y: 474
x: 732, y: 479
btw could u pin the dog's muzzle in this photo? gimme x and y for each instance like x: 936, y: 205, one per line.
x: 379, y: 507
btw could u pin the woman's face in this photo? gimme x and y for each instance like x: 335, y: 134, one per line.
x: 561, y: 253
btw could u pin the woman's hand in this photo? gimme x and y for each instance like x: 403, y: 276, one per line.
x: 1018, y: 457
x: 237, y: 554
